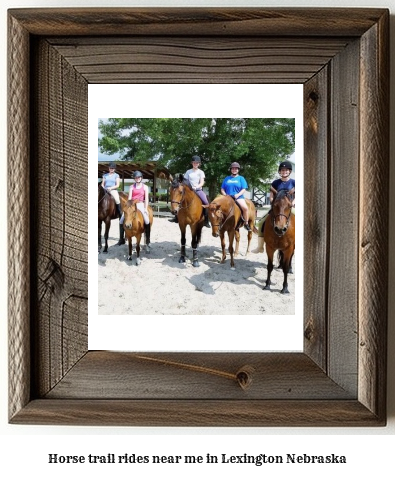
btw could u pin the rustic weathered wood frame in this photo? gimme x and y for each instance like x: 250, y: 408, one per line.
x: 342, y: 59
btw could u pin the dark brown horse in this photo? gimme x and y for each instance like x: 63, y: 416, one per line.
x: 225, y: 215
x: 106, y: 212
x: 188, y: 207
x: 279, y: 235
x: 133, y: 225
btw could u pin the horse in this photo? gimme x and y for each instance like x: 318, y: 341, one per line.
x: 279, y: 235
x: 106, y: 212
x: 133, y: 225
x: 189, y: 209
x: 225, y: 216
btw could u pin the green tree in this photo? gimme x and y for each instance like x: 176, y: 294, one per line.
x: 258, y: 144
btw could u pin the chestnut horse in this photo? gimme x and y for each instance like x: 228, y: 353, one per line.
x: 133, y: 225
x: 279, y: 234
x: 189, y: 209
x: 106, y: 212
x: 225, y: 216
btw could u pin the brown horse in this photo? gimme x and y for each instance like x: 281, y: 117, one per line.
x: 189, y: 209
x: 279, y: 235
x: 106, y: 212
x: 225, y: 216
x: 133, y: 225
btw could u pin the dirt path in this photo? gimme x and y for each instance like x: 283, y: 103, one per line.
x: 170, y: 288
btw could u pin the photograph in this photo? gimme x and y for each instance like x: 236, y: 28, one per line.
x: 196, y: 215
x: 192, y: 217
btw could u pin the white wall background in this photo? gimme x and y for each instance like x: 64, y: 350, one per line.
x: 25, y: 449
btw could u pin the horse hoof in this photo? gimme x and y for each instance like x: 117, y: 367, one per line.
x: 267, y: 287
x: 195, y: 264
x: 285, y: 291
x: 181, y: 260
x: 129, y: 258
x: 233, y: 268
x: 138, y: 262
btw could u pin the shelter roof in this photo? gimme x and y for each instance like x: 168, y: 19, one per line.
x: 126, y: 169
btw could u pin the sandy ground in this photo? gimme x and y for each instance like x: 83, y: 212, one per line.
x: 181, y: 289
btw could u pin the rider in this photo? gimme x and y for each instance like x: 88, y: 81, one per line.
x: 235, y: 186
x: 196, y: 178
x: 111, y: 181
x: 139, y: 192
x: 283, y: 182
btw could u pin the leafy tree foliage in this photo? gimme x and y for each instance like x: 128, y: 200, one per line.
x: 258, y: 144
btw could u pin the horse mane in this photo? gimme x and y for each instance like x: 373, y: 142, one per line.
x: 282, y: 193
x: 181, y: 180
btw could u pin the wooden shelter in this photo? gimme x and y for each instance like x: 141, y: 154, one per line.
x: 151, y: 170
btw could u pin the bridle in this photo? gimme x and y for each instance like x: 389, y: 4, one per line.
x: 221, y: 225
x: 182, y: 199
x: 274, y: 217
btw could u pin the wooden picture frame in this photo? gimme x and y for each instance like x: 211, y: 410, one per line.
x: 342, y: 58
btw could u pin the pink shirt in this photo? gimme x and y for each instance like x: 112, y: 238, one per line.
x: 138, y: 194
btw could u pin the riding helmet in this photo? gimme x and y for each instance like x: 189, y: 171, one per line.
x: 196, y: 159
x: 286, y: 165
x: 112, y: 166
x: 137, y: 174
x: 235, y: 165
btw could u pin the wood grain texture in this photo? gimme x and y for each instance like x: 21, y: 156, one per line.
x: 60, y: 246
x: 328, y: 22
x: 340, y: 377
x: 344, y: 217
x: 204, y: 375
x: 316, y: 214
x: 201, y: 413
x: 18, y: 206
x: 374, y: 217
x: 196, y: 60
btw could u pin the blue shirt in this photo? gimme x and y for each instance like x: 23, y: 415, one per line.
x: 278, y: 184
x: 110, y: 180
x: 233, y: 185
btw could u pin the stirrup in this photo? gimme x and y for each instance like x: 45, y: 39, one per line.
x: 247, y: 226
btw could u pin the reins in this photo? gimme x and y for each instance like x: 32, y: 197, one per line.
x: 104, y: 195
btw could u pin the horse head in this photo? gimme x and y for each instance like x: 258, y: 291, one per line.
x: 281, y: 211
x: 218, y: 212
x: 130, y: 214
x: 176, y: 193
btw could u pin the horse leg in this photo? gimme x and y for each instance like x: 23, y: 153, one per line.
x: 138, y: 239
x: 223, y: 247
x: 183, y: 241
x: 287, y: 258
x: 194, y: 244
x: 237, y: 235
x: 231, y: 235
x: 249, y: 236
x: 99, y: 236
x: 107, y: 229
x: 270, y: 253
x: 130, y: 248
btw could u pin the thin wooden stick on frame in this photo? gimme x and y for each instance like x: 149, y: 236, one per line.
x: 341, y: 56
